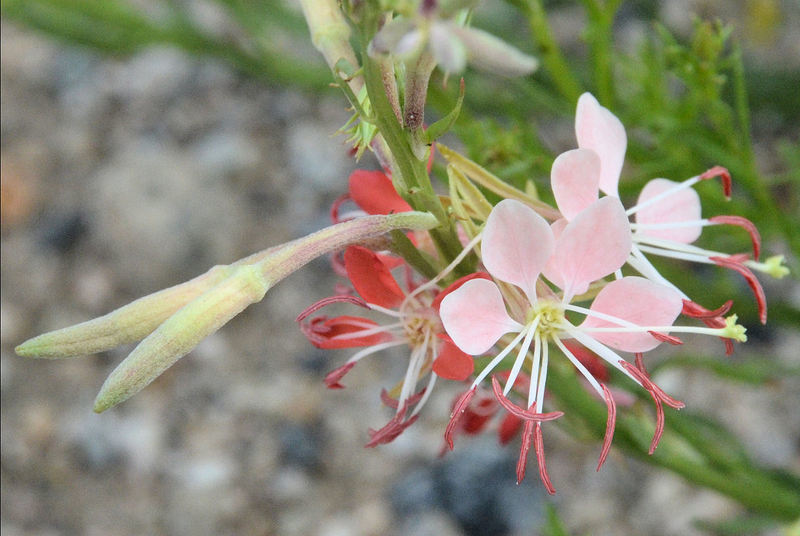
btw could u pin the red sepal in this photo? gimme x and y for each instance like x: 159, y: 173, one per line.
x: 374, y: 193
x: 371, y: 278
x: 610, y: 424
x: 452, y: 363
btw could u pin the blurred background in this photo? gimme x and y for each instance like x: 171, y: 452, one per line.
x: 129, y: 166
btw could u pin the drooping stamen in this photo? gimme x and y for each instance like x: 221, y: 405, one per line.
x: 458, y: 410
x: 333, y: 377
x: 644, y: 379
x: 392, y: 429
x: 695, y: 310
x: 723, y: 174
x: 712, y: 319
x: 538, y: 445
x: 663, y: 337
x: 657, y: 399
x: 610, y: 424
x: 394, y: 404
x: 747, y: 225
x: 316, y: 306
x: 734, y: 263
x: 529, y: 414
x: 527, y: 435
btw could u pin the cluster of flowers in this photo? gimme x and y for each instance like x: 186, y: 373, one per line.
x: 537, y: 277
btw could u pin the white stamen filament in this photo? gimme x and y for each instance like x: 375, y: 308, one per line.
x: 418, y: 355
x: 688, y: 183
x: 691, y: 257
x: 366, y: 332
x: 384, y: 310
x: 642, y: 264
x: 598, y: 314
x: 523, y: 351
x: 428, y: 391
x: 675, y: 246
x: 660, y: 329
x: 537, y: 355
x: 450, y: 267
x: 376, y: 348
x: 498, y: 358
x: 600, y: 349
x: 578, y: 365
x: 671, y: 225
x: 542, y: 377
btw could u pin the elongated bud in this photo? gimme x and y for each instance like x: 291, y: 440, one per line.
x: 492, y: 54
x: 125, y: 325
x: 180, y: 333
x: 175, y: 320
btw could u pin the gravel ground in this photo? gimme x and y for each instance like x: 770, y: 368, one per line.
x: 124, y: 177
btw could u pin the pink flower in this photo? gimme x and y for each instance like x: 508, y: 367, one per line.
x: 630, y: 314
x: 415, y: 323
x: 667, y: 214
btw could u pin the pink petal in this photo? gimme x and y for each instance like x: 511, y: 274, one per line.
x: 681, y: 206
x: 371, y: 277
x: 452, y: 363
x: 475, y: 316
x: 639, y: 301
x: 374, y: 193
x: 596, y: 243
x: 516, y: 244
x: 575, y: 178
x: 599, y: 130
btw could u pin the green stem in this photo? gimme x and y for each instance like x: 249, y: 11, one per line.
x: 599, y: 35
x: 748, y: 484
x: 550, y: 52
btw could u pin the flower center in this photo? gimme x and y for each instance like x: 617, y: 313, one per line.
x: 550, y: 315
x: 421, y: 325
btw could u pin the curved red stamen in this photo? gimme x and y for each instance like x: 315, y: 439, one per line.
x: 734, y: 263
x: 458, y: 410
x: 639, y: 356
x: 538, y: 445
x: 513, y: 409
x: 648, y: 384
x: 659, y: 431
x: 337, y: 263
x: 333, y: 377
x: 723, y: 174
x: 316, y: 306
x: 712, y: 319
x: 695, y: 310
x: 391, y: 430
x: 336, y: 205
x: 522, y: 462
x: 663, y: 337
x: 610, y: 424
x: 747, y: 225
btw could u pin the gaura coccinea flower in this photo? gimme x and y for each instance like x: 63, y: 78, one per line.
x: 630, y: 314
x: 667, y: 214
x: 414, y: 323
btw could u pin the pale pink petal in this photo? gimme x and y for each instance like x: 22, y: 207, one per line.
x: 551, y: 271
x: 639, y: 301
x: 596, y: 243
x: 516, y: 244
x: 475, y: 316
x: 682, y: 206
x: 575, y: 179
x: 599, y: 130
